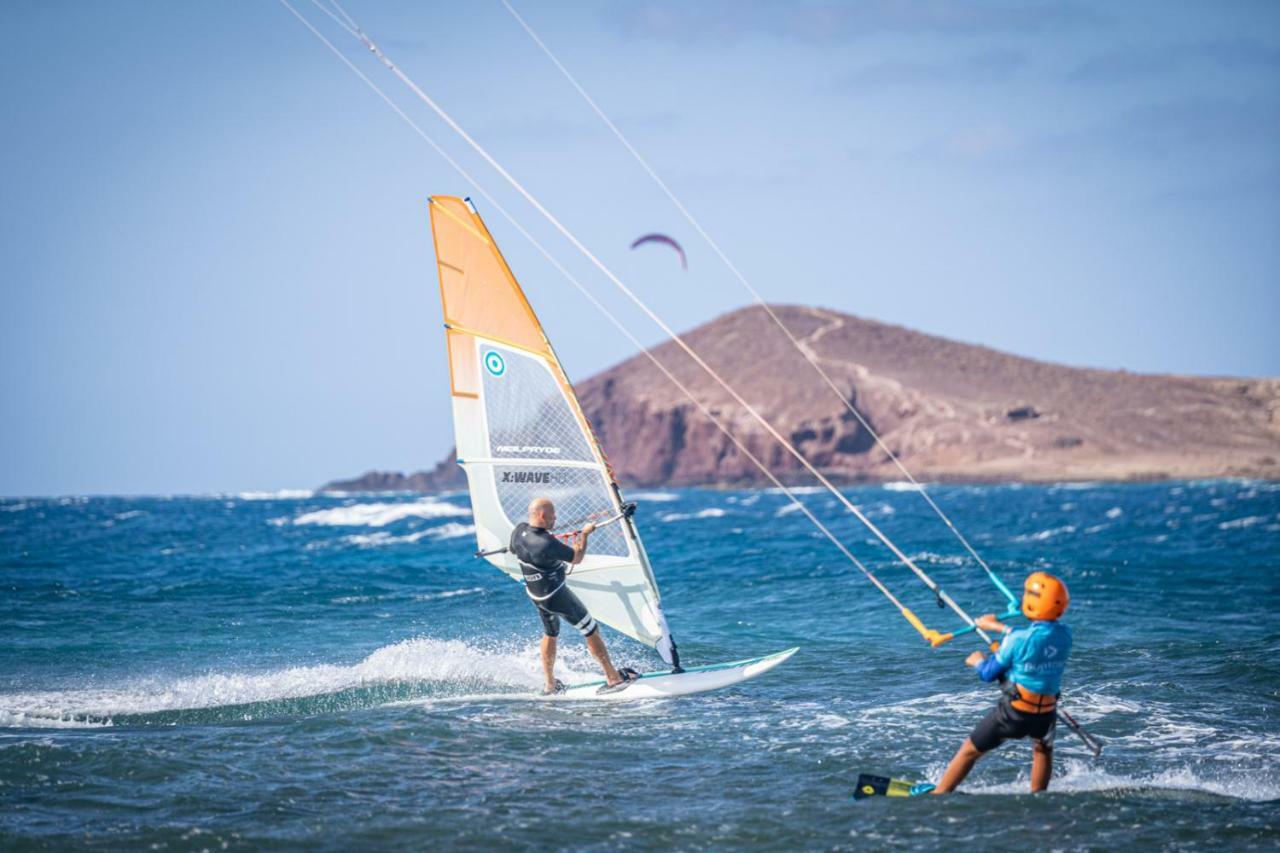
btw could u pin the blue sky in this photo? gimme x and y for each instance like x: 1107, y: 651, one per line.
x: 218, y: 274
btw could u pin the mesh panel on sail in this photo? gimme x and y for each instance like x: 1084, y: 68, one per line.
x: 526, y: 410
x: 580, y: 495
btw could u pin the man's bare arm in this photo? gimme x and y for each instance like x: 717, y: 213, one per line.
x: 580, y: 545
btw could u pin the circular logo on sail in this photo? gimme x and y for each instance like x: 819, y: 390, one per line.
x: 494, y: 363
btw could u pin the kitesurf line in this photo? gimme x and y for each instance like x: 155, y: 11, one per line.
x: 933, y: 636
x: 715, y: 247
x: 590, y: 297
x: 676, y: 681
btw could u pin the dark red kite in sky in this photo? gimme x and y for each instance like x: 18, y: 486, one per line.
x: 663, y: 238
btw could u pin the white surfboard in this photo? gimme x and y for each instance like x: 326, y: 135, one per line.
x: 695, y: 679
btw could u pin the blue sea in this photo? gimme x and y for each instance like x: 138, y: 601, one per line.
x: 297, y: 671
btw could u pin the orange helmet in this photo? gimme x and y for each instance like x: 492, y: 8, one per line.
x: 1044, y: 597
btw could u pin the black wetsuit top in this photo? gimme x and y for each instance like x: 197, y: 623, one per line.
x: 544, y: 559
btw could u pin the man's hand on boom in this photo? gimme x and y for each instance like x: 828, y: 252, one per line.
x: 580, y: 544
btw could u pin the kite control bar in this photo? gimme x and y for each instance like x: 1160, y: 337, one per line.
x: 936, y: 639
x: 628, y: 510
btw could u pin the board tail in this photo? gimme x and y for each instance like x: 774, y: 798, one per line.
x: 882, y: 786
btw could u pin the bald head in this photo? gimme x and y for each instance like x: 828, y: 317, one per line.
x: 542, y: 513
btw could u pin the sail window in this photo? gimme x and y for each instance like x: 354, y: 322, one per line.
x: 526, y: 410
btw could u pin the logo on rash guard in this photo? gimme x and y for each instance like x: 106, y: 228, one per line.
x: 526, y: 476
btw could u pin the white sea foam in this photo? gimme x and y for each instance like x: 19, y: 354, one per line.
x: 382, y: 538
x: 903, y: 487
x: 1240, y: 523
x: 418, y: 660
x: 453, y: 593
x: 653, y: 497
x: 710, y: 512
x: 380, y: 514
x: 399, y: 596
x: 1074, y: 775
x: 18, y: 507
x: 1115, y: 512
x: 1197, y: 755
x: 1040, y: 536
x: 938, y: 559
x: 788, y: 509
x: 279, y: 495
x: 452, y: 530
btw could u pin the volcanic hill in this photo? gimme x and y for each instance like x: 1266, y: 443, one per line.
x: 949, y: 410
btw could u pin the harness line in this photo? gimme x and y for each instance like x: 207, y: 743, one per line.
x: 933, y: 636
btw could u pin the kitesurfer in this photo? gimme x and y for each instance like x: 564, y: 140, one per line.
x: 544, y: 561
x: 1029, y: 664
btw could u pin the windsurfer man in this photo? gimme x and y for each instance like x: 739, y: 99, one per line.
x: 1029, y: 663
x: 544, y: 561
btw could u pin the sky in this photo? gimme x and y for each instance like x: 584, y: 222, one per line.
x: 217, y: 267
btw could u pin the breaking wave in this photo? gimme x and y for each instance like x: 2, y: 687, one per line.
x: 711, y: 512
x: 378, y: 514
x: 382, y: 538
x: 654, y: 497
x: 416, y: 669
x: 279, y: 495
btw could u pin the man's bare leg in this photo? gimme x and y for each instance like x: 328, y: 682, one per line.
x: 549, y: 662
x: 960, y: 765
x: 595, y: 645
x: 1041, y: 766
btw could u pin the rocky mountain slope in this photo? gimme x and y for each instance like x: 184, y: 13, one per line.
x: 951, y: 411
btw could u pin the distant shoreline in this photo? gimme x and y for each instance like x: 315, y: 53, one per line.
x: 326, y: 491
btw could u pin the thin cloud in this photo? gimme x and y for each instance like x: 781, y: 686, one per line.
x: 1193, y: 126
x: 548, y: 127
x: 1218, y: 132
x: 988, y: 66
x: 725, y: 21
x: 1146, y: 62
x: 1264, y: 187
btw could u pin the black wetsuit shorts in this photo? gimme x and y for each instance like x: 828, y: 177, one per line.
x: 543, y: 561
x: 563, y: 604
x: 1004, y: 722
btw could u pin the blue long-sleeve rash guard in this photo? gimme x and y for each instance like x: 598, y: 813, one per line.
x: 991, y: 669
x: 1034, y: 656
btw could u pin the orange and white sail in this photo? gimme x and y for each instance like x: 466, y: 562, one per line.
x: 521, y: 432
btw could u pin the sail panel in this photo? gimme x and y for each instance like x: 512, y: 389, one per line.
x: 464, y: 374
x: 478, y: 292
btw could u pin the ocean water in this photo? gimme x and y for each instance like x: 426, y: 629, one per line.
x: 288, y: 671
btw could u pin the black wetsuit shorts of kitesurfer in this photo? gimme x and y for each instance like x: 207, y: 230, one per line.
x: 544, y: 563
x: 1005, y: 722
